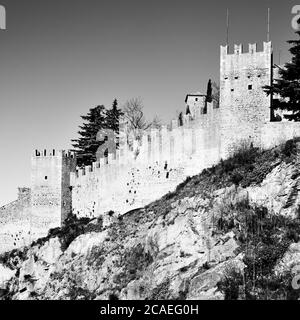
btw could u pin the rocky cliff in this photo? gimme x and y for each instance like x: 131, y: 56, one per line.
x: 230, y: 232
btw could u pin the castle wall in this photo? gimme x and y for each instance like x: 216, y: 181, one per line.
x: 243, y: 104
x: 15, y: 222
x: 208, y: 126
x: 86, y: 191
x: 275, y: 133
x: 145, y: 170
x: 135, y: 177
x: 121, y: 188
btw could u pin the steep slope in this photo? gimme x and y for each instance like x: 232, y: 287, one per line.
x: 229, y: 232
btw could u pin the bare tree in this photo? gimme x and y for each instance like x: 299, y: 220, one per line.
x: 135, y: 123
x: 135, y: 120
x: 134, y: 114
x: 156, y: 123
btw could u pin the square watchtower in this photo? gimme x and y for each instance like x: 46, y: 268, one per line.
x: 51, y: 198
x: 245, y: 107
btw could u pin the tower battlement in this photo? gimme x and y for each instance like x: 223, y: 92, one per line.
x: 244, y: 105
x: 53, y: 153
x: 238, y: 49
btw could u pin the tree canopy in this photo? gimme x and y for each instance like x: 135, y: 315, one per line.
x: 97, y: 118
x: 287, y: 87
x: 113, y: 116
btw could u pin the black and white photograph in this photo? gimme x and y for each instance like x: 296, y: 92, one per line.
x: 149, y: 151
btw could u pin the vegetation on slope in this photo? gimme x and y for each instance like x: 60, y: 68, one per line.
x: 247, y: 166
x: 72, y: 228
x: 264, y: 238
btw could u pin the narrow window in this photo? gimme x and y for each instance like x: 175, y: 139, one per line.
x: 166, y: 165
x: 250, y: 87
x: 46, y: 178
x: 232, y: 90
x: 196, y: 99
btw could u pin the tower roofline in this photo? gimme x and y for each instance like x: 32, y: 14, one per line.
x: 252, y: 48
x: 53, y: 153
x: 194, y: 95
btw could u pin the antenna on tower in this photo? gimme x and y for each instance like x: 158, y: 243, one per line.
x: 227, y: 26
x: 268, y: 28
x: 279, y: 57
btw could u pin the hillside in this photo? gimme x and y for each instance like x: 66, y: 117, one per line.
x: 230, y: 232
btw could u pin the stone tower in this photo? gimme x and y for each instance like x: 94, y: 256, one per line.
x: 245, y: 107
x: 51, y: 198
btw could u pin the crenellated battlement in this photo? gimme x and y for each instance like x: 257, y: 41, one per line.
x: 173, y: 144
x: 252, y: 49
x: 93, y: 170
x: 86, y: 170
x: 53, y: 153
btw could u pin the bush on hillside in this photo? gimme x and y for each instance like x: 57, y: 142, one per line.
x: 231, y: 283
x: 264, y: 239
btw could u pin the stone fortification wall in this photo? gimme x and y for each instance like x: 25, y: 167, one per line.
x: 137, y: 175
x: 15, y: 222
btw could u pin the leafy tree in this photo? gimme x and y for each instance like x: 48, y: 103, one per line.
x: 113, y: 116
x: 86, y: 145
x: 287, y: 87
x: 209, y: 92
x: 209, y: 97
x: 180, y: 119
x: 216, y: 94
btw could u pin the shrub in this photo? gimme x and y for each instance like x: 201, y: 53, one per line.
x: 161, y: 292
x: 289, y: 148
x: 244, y: 153
x: 183, y: 184
x: 264, y: 239
x: 111, y: 213
x: 113, y: 296
x: 78, y: 293
x: 134, y: 262
x: 236, y: 177
x: 230, y: 283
